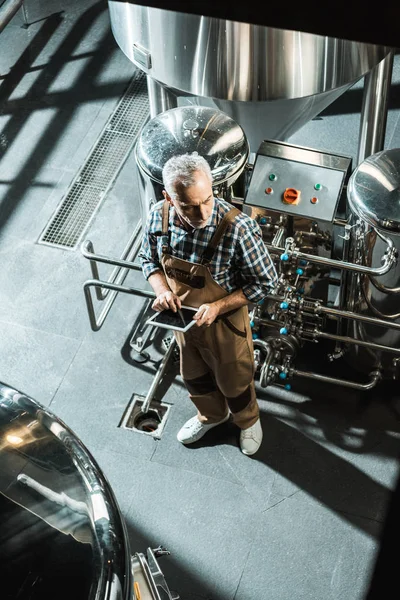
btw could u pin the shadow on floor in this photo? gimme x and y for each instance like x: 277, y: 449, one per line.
x: 38, y: 97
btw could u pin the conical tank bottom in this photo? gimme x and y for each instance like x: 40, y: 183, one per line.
x: 276, y: 120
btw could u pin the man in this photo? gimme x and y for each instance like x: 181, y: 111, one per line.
x: 199, y: 251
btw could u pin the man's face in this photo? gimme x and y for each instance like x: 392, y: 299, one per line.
x: 194, y: 204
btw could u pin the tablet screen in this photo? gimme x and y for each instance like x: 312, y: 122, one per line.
x: 172, y: 319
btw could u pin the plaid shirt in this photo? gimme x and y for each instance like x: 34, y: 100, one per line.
x: 241, y: 261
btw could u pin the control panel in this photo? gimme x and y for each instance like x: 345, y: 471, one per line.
x: 299, y: 181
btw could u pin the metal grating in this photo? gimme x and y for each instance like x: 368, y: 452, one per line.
x: 100, y: 169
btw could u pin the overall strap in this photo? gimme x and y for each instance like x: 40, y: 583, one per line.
x: 165, y: 228
x: 219, y: 232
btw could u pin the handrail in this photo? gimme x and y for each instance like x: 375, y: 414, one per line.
x: 7, y: 12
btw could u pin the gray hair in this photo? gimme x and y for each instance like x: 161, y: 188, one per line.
x: 180, y: 169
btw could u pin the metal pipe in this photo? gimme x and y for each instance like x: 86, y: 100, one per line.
x: 328, y: 336
x: 340, y: 222
x: 374, y: 108
x: 357, y: 342
x: 106, y: 260
x: 356, y: 317
x: 160, y: 97
x: 375, y: 310
x: 262, y: 344
x: 388, y: 259
x: 128, y: 254
x: 264, y: 378
x: 277, y: 239
x: 159, y: 375
x: 344, y: 276
x: 375, y: 377
x: 97, y: 324
x: 7, y: 12
x: 334, y: 312
x: 95, y: 270
x: 383, y: 288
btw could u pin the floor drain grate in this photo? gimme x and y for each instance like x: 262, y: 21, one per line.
x: 100, y: 169
x: 150, y: 423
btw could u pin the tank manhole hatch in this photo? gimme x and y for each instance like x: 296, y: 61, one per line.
x: 100, y: 169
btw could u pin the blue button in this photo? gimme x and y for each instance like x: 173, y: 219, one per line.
x: 299, y: 271
x: 282, y: 375
x: 283, y: 331
x: 288, y: 386
x: 284, y: 305
x: 284, y: 257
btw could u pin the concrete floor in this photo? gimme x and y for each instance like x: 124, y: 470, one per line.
x: 299, y: 520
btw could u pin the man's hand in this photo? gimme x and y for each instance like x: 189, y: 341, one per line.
x: 206, y: 314
x: 166, y: 300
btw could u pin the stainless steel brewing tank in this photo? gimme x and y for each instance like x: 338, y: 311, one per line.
x: 374, y: 199
x: 207, y: 131
x: 236, y: 61
x: 251, y: 66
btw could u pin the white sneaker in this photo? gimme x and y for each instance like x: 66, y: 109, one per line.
x: 193, y: 430
x: 251, y: 438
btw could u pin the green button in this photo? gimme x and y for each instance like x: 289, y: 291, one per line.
x: 317, y: 186
x: 272, y: 177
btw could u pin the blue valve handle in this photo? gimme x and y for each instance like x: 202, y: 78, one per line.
x: 283, y: 331
x: 284, y: 257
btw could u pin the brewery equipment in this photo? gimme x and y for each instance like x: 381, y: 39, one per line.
x: 336, y: 263
x: 270, y: 81
x: 207, y: 131
x: 62, y: 532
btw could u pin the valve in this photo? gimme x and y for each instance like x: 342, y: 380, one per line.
x: 284, y: 257
x: 263, y: 221
x: 283, y: 331
x: 299, y: 271
x: 284, y: 305
x: 255, y: 336
x: 252, y: 324
x: 283, y: 375
x: 288, y: 387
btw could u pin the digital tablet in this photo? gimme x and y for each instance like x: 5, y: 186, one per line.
x: 182, y: 320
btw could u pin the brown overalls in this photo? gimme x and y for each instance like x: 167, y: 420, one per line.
x: 217, y: 362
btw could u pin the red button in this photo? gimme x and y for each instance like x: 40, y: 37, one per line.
x: 269, y: 191
x: 314, y: 200
x: 291, y: 196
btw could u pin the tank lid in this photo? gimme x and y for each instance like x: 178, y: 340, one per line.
x: 374, y: 190
x: 209, y: 132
